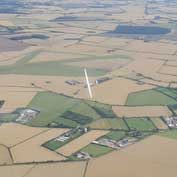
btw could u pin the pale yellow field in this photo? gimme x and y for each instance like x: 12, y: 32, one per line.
x: 6, y: 23
x: 71, y: 169
x: 10, y: 57
x: 142, y: 111
x: 12, y: 134
x: 15, y: 99
x: 106, y: 26
x: 32, y: 151
x: 15, y: 171
x: 57, y: 83
x: 132, y: 13
x: 164, y: 78
x: 106, y: 41
x: 152, y: 47
x: 145, y: 66
x: 86, y: 49
x: 146, y: 158
x: 76, y: 30
x: 116, y: 91
x: 46, y: 56
x: 100, y: 124
x: 108, y: 65
x: 81, y: 142
x: 95, y: 39
x: 116, y: 42
x: 159, y: 123
x: 174, y: 85
x: 172, y: 63
x: 156, y: 83
x: 168, y: 70
x: 4, y: 155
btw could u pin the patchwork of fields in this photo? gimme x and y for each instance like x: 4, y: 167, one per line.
x: 49, y: 126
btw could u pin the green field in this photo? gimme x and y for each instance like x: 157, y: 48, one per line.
x: 85, y: 109
x: 171, y: 92
x: 50, y: 105
x: 115, y: 135
x: 57, y: 110
x: 117, y: 124
x: 50, y: 68
x: 65, y: 123
x: 153, y: 97
x: 169, y: 134
x: 55, y: 68
x: 96, y: 150
x: 141, y: 124
x: 78, y: 118
x: 104, y: 110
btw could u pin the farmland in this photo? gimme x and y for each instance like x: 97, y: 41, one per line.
x: 169, y: 134
x: 152, y: 97
x: 116, y: 135
x: 96, y: 150
x: 39, y: 154
x: 108, y: 124
x: 66, y: 111
x: 107, y: 164
x: 140, y: 124
x: 80, y: 142
x: 5, y: 155
x: 49, y: 123
x: 140, y: 111
x: 159, y: 123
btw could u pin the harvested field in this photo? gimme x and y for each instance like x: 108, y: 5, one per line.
x: 53, y: 83
x: 15, y: 171
x: 75, y: 169
x: 6, y: 23
x: 49, y: 56
x: 144, y: 156
x: 15, y: 99
x: 12, y: 134
x: 108, y: 65
x: 159, y: 123
x: 108, y: 124
x: 22, y: 152
x: 11, y: 57
x: 156, y: 83
x: 118, y: 90
x: 169, y: 70
x: 100, y: 124
x: 144, y: 65
x: 171, y: 63
x: 142, y: 111
x: 5, y: 157
x: 118, y: 42
x: 86, y: 49
x: 95, y: 39
x: 81, y: 142
x: 152, y: 47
